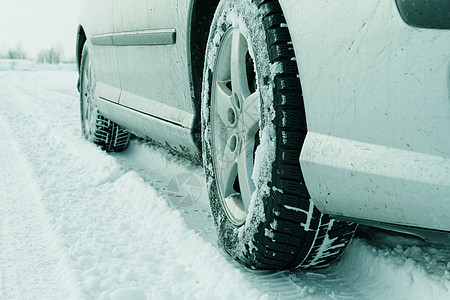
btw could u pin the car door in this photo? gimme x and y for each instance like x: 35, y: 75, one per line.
x: 99, y: 19
x: 152, y: 60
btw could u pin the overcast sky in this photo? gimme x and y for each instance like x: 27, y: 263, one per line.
x: 39, y: 24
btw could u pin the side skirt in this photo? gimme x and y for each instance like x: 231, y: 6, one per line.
x: 168, y: 134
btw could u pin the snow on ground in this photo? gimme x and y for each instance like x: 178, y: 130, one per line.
x: 78, y: 223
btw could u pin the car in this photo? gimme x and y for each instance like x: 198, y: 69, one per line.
x: 309, y: 117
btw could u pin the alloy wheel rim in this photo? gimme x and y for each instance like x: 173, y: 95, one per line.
x: 235, y: 117
x: 86, y: 99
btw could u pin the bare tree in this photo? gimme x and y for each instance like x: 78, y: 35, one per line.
x: 18, y: 52
x: 52, y: 55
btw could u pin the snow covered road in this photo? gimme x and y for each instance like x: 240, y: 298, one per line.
x: 78, y: 223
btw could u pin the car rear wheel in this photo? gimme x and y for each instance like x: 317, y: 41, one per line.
x: 253, y: 127
x: 95, y: 127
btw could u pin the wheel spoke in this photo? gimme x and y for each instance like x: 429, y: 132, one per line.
x: 245, y: 170
x: 85, y: 108
x: 252, y: 116
x: 85, y: 83
x: 87, y: 114
x: 87, y: 91
x: 239, y: 80
x: 227, y: 168
x: 88, y: 73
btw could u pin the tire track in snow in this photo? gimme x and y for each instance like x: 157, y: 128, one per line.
x: 32, y: 263
x: 119, y: 246
x: 320, y: 284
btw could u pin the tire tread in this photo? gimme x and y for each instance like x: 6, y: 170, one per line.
x: 300, y: 229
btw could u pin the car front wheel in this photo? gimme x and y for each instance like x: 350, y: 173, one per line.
x: 253, y: 127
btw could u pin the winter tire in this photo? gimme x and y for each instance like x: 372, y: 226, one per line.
x: 95, y: 127
x: 253, y: 127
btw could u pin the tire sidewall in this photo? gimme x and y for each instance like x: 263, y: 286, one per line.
x: 239, y: 242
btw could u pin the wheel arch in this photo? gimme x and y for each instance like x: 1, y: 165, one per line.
x: 81, y: 40
x: 201, y: 16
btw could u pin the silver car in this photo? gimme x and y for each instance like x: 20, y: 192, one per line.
x: 309, y: 116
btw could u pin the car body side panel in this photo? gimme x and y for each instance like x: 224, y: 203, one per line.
x: 147, y: 44
x: 155, y: 78
x: 377, y: 102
